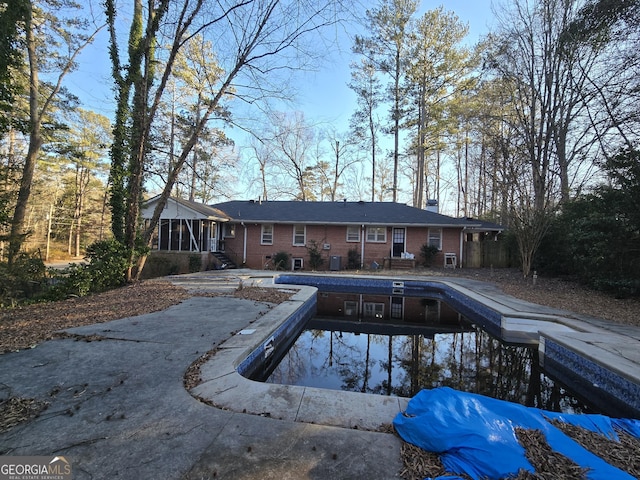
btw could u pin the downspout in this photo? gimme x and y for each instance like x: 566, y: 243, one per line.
x: 461, y: 245
x: 244, y: 244
x: 362, y: 247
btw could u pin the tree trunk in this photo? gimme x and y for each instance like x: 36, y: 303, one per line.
x: 79, y: 211
x: 192, y: 190
x: 372, y: 131
x: 396, y: 124
x: 70, y: 236
x: 335, y: 173
x: 420, y: 171
x: 18, y: 234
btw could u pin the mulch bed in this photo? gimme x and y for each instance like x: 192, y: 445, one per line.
x: 623, y: 454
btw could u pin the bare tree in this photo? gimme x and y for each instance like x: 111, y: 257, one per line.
x: 549, y: 79
x: 364, y: 121
x: 256, y: 40
x: 612, y: 26
x: 262, y: 155
x: 293, y: 140
x: 341, y: 150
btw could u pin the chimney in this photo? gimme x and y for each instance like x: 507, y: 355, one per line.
x: 432, y: 205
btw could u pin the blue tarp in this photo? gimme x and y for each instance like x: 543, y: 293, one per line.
x: 476, y: 435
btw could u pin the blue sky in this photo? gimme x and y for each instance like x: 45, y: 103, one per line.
x: 324, y: 95
x: 327, y: 96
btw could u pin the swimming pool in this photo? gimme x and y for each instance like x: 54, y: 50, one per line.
x: 397, y: 346
x: 609, y: 390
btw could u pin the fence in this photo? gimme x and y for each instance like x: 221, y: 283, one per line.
x: 487, y: 253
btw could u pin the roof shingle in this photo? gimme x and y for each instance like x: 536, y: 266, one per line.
x: 356, y: 213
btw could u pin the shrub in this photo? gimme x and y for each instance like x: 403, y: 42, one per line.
x: 353, y: 259
x: 24, y: 280
x: 428, y: 252
x: 74, y: 280
x: 108, y: 262
x: 106, y: 269
x: 315, y: 255
x: 281, y: 261
x: 195, y: 263
x: 594, y: 240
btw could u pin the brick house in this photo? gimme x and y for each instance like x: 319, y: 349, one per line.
x: 366, y: 233
x: 250, y: 233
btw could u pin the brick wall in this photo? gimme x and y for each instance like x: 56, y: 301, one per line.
x: 335, y: 237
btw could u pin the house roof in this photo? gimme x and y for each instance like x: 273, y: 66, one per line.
x: 483, y: 225
x: 199, y: 209
x: 337, y: 213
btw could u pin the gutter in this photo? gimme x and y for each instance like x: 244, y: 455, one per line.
x: 355, y: 222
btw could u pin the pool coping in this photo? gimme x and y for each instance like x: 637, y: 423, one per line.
x: 223, y: 386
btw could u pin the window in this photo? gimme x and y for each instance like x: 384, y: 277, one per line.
x: 377, y: 234
x: 267, y: 235
x: 373, y: 310
x: 435, y: 238
x: 397, y: 304
x: 229, y: 230
x: 350, y: 308
x: 299, y: 235
x: 432, y: 311
x: 353, y: 234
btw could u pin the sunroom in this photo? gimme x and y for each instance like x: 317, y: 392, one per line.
x: 185, y: 226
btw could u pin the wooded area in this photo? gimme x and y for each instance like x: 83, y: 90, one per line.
x: 534, y: 127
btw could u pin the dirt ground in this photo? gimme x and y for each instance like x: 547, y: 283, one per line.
x: 558, y: 293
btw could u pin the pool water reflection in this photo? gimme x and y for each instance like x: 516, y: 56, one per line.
x: 395, y: 345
